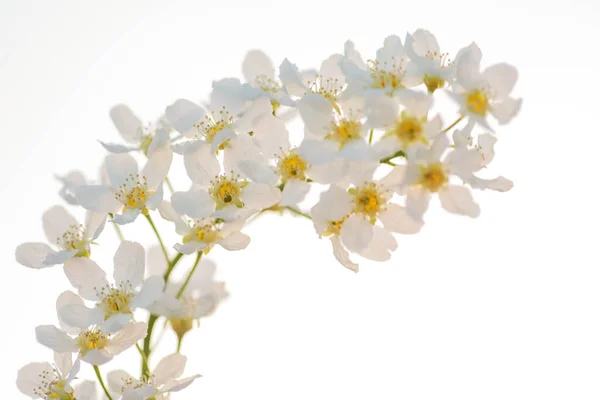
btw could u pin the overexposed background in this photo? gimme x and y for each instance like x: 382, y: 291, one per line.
x: 503, y: 307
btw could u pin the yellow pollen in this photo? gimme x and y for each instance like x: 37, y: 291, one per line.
x: 409, y: 130
x: 345, y: 131
x: 292, y: 166
x: 145, y: 143
x: 433, y: 83
x: 134, y: 193
x: 433, y: 177
x: 214, y: 124
x: 329, y: 88
x: 335, y: 227
x: 91, y: 340
x: 387, y: 76
x: 226, y: 191
x: 52, y: 386
x: 267, y: 84
x: 206, y: 232
x: 477, y: 102
x: 368, y: 200
x: 73, y: 239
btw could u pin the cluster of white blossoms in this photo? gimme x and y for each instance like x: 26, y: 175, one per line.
x: 374, y: 146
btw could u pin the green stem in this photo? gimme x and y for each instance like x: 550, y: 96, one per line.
x: 389, y: 163
x: 371, y: 136
x: 179, y: 341
x: 102, y: 382
x: 172, y: 265
x: 151, y: 322
x: 453, y: 124
x: 162, y: 245
x: 168, y: 182
x: 117, y: 228
x: 297, y: 212
x: 189, y: 277
x: 387, y: 160
x: 144, y: 358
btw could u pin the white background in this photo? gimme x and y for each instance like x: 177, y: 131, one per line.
x: 503, y: 307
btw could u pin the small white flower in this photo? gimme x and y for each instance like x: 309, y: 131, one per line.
x: 475, y: 157
x: 144, y: 138
x: 163, y: 379
x: 427, y: 173
x: 429, y: 65
x: 128, y: 193
x: 204, y: 234
x: 482, y: 93
x: 116, y: 302
x: 70, y: 181
x: 69, y: 237
x: 42, y: 380
x: 405, y: 128
x: 92, y: 345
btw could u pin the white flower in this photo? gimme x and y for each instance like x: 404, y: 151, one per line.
x: 42, y: 380
x: 163, y: 379
x: 70, y: 181
x: 386, y: 74
x: 476, y: 156
x: 427, y: 173
x: 213, y: 133
x: 69, y: 237
x: 144, y: 138
x: 429, y: 65
x: 116, y: 302
x: 348, y: 218
x: 204, y: 234
x: 482, y: 93
x: 128, y: 192
x: 199, y: 298
x: 259, y: 74
x: 92, y: 345
x: 405, y: 128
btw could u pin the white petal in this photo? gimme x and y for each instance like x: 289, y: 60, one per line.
x: 271, y: 135
x: 190, y: 247
x: 193, y: 203
x: 80, y: 316
x: 500, y: 184
x: 57, y: 221
x: 258, y: 196
x: 160, y: 141
x: 116, y: 380
x: 338, y: 203
x: 117, y: 148
x: 127, y: 337
x: 157, y: 167
x: 98, y: 198
x: 29, y: 378
x: 330, y: 69
x: 183, y: 114
x: 331, y: 172
x: 381, y: 110
x: 294, y: 192
x: 506, y: 110
x: 167, y: 211
x: 458, y: 200
x: 381, y: 246
x: 318, y: 152
x: 68, y: 298
x: 151, y: 291
x: 424, y: 41
x: 130, y: 263
x: 70, y: 181
x: 97, y: 357
x: 258, y: 107
x: 115, y: 323
x: 127, y: 217
x: 391, y: 51
x: 437, y: 148
x: 155, y: 198
x: 52, y: 337
x: 59, y: 257
x: 291, y: 79
x: 201, y: 165
x: 84, y: 274
x: 395, y: 177
x: 126, y: 123
x: 356, y: 233
x: 257, y: 63
x: 94, y: 224
x: 170, y: 367
x: 417, y: 203
x: 357, y: 150
x: 120, y: 167
x: 229, y: 93
x: 353, y: 55
x: 341, y: 254
x: 221, y: 137
x: 235, y: 241
x: 63, y: 361
x: 32, y: 255
x: 501, y: 78
x: 176, y: 386
x: 260, y: 172
x: 395, y: 219
x: 316, y: 112
x: 86, y: 390
x: 189, y: 146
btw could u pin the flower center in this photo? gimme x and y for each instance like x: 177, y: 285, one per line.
x: 369, y: 200
x: 214, y: 124
x: 433, y: 177
x: 433, y: 83
x: 91, y: 339
x: 206, y: 232
x: 477, y: 102
x: 181, y: 326
x: 53, y: 387
x: 292, y: 166
x: 145, y: 143
x: 73, y: 239
x: 329, y: 88
x: 134, y: 193
x: 387, y: 76
x: 335, y: 227
x: 345, y: 131
x: 409, y: 130
x: 116, y: 300
x: 267, y: 84
x: 226, y: 191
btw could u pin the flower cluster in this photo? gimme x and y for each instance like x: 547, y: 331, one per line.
x: 375, y: 146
